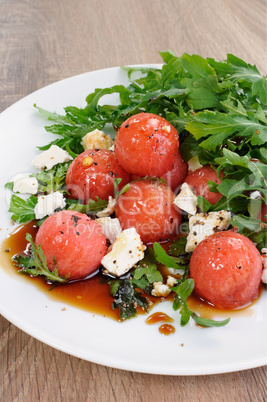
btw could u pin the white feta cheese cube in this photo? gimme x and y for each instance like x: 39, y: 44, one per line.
x: 264, y: 262
x: 111, y: 148
x: 186, y: 200
x: 96, y: 139
x: 194, y: 164
x: 171, y: 281
x: 126, y: 251
x: 109, y: 209
x: 160, y: 290
x: 111, y: 227
x: 205, y: 224
x: 47, y: 204
x: 26, y: 185
x: 51, y: 157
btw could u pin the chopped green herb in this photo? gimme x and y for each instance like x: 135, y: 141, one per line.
x: 126, y: 298
x: 183, y: 291
x: 36, y: 264
x: 163, y: 258
x: 90, y: 208
x: 147, y: 268
x: 22, y: 210
x: 52, y: 180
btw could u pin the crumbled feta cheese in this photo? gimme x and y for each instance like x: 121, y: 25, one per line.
x: 186, y: 200
x: 205, y: 224
x: 96, y: 139
x: 175, y: 271
x: 171, y: 281
x: 126, y: 251
x: 264, y: 262
x: 109, y: 209
x: 194, y: 164
x: 51, y: 157
x: 47, y: 204
x: 26, y: 185
x: 111, y: 148
x: 160, y: 289
x: 111, y: 227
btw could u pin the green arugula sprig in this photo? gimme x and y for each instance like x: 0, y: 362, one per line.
x: 52, y: 180
x: 147, y: 272
x: 214, y: 101
x: 22, y: 210
x: 125, y: 188
x: 92, y: 207
x: 183, y: 291
x: 36, y: 264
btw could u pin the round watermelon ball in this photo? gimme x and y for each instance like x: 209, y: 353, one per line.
x: 226, y: 268
x: 92, y: 173
x: 198, y: 181
x: 74, y: 241
x: 146, y: 145
x: 148, y: 207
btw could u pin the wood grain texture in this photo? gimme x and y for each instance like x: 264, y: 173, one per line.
x: 44, y: 41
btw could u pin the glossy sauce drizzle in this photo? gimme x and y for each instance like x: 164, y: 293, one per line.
x: 93, y: 294
x: 166, y: 329
x: 156, y: 318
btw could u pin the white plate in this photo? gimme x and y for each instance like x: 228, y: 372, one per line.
x: 131, y: 345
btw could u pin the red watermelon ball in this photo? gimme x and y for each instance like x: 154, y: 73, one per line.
x: 227, y: 269
x: 146, y: 145
x: 75, y: 241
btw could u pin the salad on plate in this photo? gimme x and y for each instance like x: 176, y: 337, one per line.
x: 162, y: 195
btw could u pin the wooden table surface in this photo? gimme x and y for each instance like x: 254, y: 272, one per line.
x: 45, y: 41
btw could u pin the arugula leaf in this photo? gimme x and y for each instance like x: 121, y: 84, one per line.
x: 22, y: 210
x: 247, y: 175
x: 218, y: 126
x: 147, y: 268
x: 203, y: 204
x: 206, y: 322
x: 245, y: 223
x: 117, y: 193
x: 162, y: 257
x: 116, y: 184
x: 177, y: 251
x: 90, y: 208
x: 236, y: 69
x: 183, y: 291
x: 52, y: 180
x: 197, y: 66
x: 260, y: 238
x: 10, y: 185
x: 177, y: 247
x: 36, y: 265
